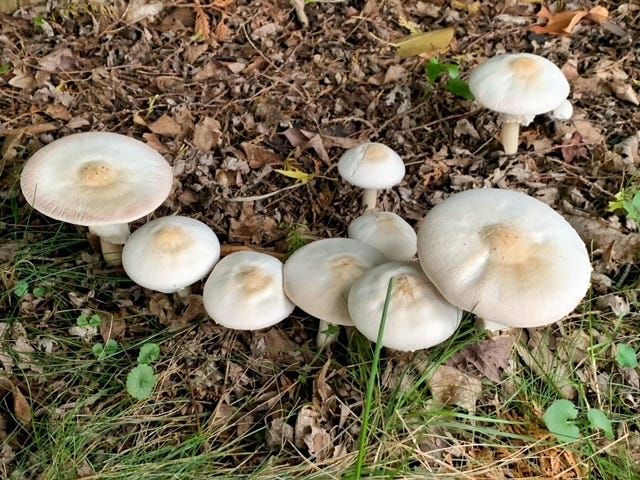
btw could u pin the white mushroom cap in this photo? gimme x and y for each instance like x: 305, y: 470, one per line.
x: 387, y: 232
x: 96, y: 178
x: 519, y: 84
x: 245, y: 292
x: 318, y: 276
x: 504, y: 256
x: 418, y: 317
x: 371, y: 165
x: 564, y: 111
x: 170, y: 253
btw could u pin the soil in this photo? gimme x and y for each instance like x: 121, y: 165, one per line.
x: 230, y: 92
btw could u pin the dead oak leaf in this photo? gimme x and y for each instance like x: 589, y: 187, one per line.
x: 563, y: 23
x: 450, y: 386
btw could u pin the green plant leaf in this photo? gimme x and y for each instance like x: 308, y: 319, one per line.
x: 111, y: 347
x: 82, y: 321
x: 94, y: 320
x: 5, y: 67
x: 459, y: 87
x: 141, y: 381
x: 626, y: 356
x: 598, y: 420
x: 97, y: 349
x: 39, y: 292
x: 557, y: 417
x: 149, y: 353
x: 21, y: 289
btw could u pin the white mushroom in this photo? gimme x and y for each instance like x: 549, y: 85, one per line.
x: 519, y: 86
x: 387, y: 232
x: 562, y: 112
x: 169, y: 254
x: 97, y: 179
x: 318, y: 276
x: 371, y: 166
x: 504, y: 256
x: 245, y: 292
x: 418, y: 317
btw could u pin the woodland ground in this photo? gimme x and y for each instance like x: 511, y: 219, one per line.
x: 228, y: 91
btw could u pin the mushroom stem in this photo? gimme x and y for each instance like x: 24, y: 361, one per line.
x: 510, y: 134
x: 117, y: 233
x: 327, y: 334
x: 111, y: 252
x: 184, y: 292
x: 369, y: 199
x: 489, y: 325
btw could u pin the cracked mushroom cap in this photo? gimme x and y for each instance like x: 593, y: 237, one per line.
x: 318, y: 276
x: 371, y: 165
x: 245, y: 292
x: 519, y: 84
x: 418, y: 317
x: 96, y: 178
x: 387, y: 232
x: 504, y: 256
x: 170, y: 253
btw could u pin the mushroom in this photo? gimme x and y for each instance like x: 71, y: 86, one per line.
x: 100, y: 180
x: 504, y: 256
x: 562, y: 112
x: 387, y: 232
x: 169, y: 254
x: 519, y: 86
x: 245, y: 292
x: 418, y: 317
x: 371, y: 166
x: 318, y: 276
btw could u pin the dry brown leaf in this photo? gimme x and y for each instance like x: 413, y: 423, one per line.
x: 202, y: 26
x: 490, y: 356
x: 154, y: 142
x: 207, y: 134
x: 58, y: 112
x: 623, y: 91
x: 425, y: 43
x: 166, y: 126
x: 112, y: 329
x: 258, y: 156
x: 450, y: 386
x: 21, y: 407
x: 563, y: 23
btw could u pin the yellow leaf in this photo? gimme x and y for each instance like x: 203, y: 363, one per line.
x: 299, y: 175
x: 427, y: 42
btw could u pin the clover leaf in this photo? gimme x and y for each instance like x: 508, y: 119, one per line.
x: 141, y: 381
x: 557, y: 417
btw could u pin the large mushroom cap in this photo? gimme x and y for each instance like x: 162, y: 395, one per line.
x: 371, y: 165
x: 96, y: 178
x: 504, y: 256
x: 170, y: 253
x: 519, y: 84
x: 418, y: 317
x: 387, y: 232
x: 318, y: 276
x: 245, y: 292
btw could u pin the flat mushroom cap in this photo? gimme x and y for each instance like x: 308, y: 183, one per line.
x: 387, y: 232
x: 318, y: 276
x: 504, y: 256
x: 245, y: 292
x: 371, y: 165
x: 170, y: 253
x: 419, y: 317
x: 519, y: 84
x: 96, y: 178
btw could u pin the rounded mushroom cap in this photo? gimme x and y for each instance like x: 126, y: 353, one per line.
x: 418, y: 317
x: 318, y: 276
x: 504, y: 256
x: 170, y: 253
x: 245, y: 292
x: 387, y: 232
x: 519, y: 84
x: 96, y: 178
x: 371, y: 165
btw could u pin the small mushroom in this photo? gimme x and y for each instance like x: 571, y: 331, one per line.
x: 318, y: 276
x: 245, y: 292
x: 562, y: 112
x: 371, y: 166
x: 418, y: 317
x: 169, y: 254
x: 519, y: 86
x: 100, y: 180
x: 387, y: 232
x: 504, y: 256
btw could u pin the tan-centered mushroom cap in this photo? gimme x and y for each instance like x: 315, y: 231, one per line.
x: 418, y: 317
x: 371, y: 165
x: 519, y: 84
x: 245, y: 292
x: 386, y: 231
x: 96, y: 178
x: 504, y: 256
x: 318, y: 276
x: 170, y: 253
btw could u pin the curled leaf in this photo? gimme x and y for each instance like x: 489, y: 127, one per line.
x: 426, y: 42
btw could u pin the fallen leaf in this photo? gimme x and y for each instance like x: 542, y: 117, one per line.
x: 450, y: 386
x: 154, y: 142
x: 425, y: 43
x: 623, y: 91
x: 258, y: 156
x: 166, y: 126
x: 202, y: 26
x: 138, y: 10
x: 490, y: 357
x: 112, y: 329
x: 58, y: 111
x: 207, y: 134
x: 563, y: 23
x: 21, y: 407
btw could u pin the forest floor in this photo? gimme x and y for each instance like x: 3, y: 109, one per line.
x: 230, y: 91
